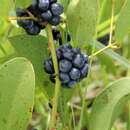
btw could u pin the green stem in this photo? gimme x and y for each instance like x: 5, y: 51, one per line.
x: 57, y: 84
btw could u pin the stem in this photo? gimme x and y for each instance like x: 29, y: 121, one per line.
x: 112, y: 21
x: 57, y: 85
x: 113, y: 46
x: 21, y: 18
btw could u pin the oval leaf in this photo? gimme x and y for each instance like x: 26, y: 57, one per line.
x: 108, y: 104
x: 17, y: 85
x: 123, y: 23
x: 82, y: 17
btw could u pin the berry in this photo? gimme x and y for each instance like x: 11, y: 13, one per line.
x: 20, y: 12
x: 64, y: 78
x: 75, y: 74
x: 48, y: 66
x: 33, y: 30
x: 73, y: 65
x: 43, y: 5
x: 56, y: 34
x: 78, y: 61
x: 46, y: 15
x: 68, y: 55
x: 57, y: 9
x: 71, y: 83
x: 65, y: 65
x: 55, y: 20
x: 84, y: 70
x: 53, y: 1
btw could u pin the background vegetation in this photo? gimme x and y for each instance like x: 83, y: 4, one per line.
x: 100, y: 102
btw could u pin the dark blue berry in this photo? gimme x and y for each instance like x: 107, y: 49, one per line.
x: 46, y: 15
x: 33, y: 30
x: 68, y: 54
x: 57, y: 9
x: 75, y: 74
x: 59, y: 54
x: 65, y: 65
x: 56, y: 34
x: 20, y: 12
x: 53, y: 1
x: 55, y: 20
x: 78, y: 61
x: 85, y: 58
x: 84, y: 71
x: 64, y: 78
x: 71, y: 83
x: 25, y: 23
x: 43, y: 5
x: 76, y: 50
x: 48, y: 66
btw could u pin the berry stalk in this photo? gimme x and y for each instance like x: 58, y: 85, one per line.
x: 57, y: 84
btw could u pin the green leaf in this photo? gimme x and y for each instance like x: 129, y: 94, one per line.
x: 82, y: 17
x: 115, y: 56
x: 5, y: 6
x: 123, y: 23
x: 108, y: 104
x: 34, y: 49
x: 17, y: 87
x: 23, y: 3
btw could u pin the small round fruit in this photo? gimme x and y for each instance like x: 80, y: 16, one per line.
x: 68, y: 54
x: 53, y: 1
x: 33, y: 30
x: 43, y: 5
x: 46, y: 15
x: 64, y: 78
x: 71, y: 83
x: 65, y: 65
x: 57, y: 9
x: 55, y: 20
x: 84, y: 71
x: 25, y: 23
x: 20, y: 12
x: 48, y: 66
x: 75, y: 74
x: 78, y: 61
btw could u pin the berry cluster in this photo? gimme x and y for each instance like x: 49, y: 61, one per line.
x: 73, y: 65
x: 57, y: 36
x: 44, y: 11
